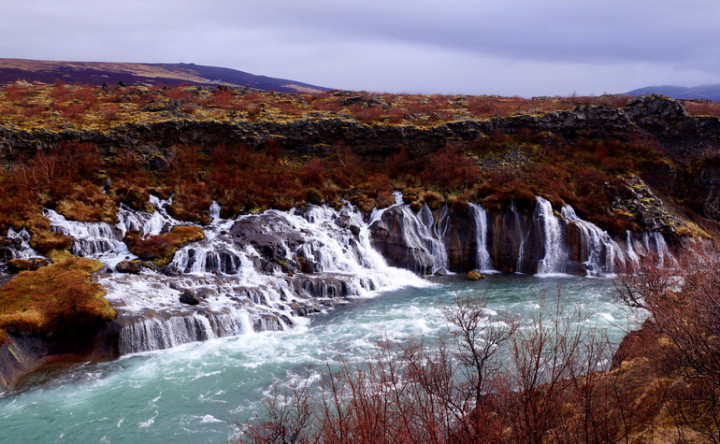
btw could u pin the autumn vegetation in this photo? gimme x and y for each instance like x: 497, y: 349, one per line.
x: 59, y: 300
x: 86, y: 182
x: 552, y: 380
x: 161, y: 248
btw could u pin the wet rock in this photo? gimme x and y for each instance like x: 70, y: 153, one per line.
x: 355, y: 230
x: 390, y: 237
x: 189, y: 297
x: 132, y: 267
x: 269, y: 234
x: 474, y: 275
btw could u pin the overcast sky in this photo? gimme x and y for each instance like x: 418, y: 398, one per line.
x: 507, y: 47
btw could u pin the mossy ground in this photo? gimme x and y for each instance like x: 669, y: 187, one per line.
x: 160, y: 249
x: 60, y: 299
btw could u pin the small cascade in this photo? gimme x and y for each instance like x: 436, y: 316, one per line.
x: 654, y: 244
x: 519, y: 235
x: 555, y: 257
x: 98, y: 240
x: 484, y: 262
x: 153, y: 333
x: 598, y: 252
x: 431, y: 233
x: 630, y: 249
x: 21, y: 244
x: 148, y: 224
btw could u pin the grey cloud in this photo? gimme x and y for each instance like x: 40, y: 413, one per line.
x: 310, y: 38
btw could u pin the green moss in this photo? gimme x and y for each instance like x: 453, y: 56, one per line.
x: 160, y: 249
x: 59, y: 299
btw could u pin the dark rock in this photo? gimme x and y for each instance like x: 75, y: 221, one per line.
x: 389, y: 238
x: 189, y: 298
x: 133, y: 267
x: 355, y: 230
x: 269, y: 234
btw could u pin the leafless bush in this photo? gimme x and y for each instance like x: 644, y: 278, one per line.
x: 493, y: 381
x: 684, y: 306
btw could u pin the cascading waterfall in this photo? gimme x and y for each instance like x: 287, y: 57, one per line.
x: 519, y: 235
x: 152, y: 333
x: 238, y: 277
x: 267, y: 271
x: 630, y: 249
x: 431, y: 233
x: 599, y: 252
x: 484, y: 262
x: 98, y: 240
x: 21, y: 241
x: 655, y: 244
x: 555, y: 257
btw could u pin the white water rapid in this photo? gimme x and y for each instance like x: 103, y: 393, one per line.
x: 254, y: 273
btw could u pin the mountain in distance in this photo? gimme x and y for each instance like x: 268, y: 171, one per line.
x: 709, y: 92
x: 171, y: 74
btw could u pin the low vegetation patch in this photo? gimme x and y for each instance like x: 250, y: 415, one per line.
x: 161, y: 248
x: 60, y: 299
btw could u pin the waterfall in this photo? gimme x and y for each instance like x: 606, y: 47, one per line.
x: 519, y: 235
x: 21, y: 241
x: 484, y: 262
x: 654, y: 244
x: 151, y: 333
x: 630, y: 249
x: 267, y: 271
x: 599, y: 251
x: 98, y: 240
x: 555, y: 256
x: 432, y: 233
x: 256, y: 272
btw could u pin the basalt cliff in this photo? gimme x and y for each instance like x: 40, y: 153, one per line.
x: 207, y: 212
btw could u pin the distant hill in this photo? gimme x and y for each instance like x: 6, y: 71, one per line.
x: 97, y: 73
x: 710, y: 92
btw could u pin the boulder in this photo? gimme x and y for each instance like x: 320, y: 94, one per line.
x: 132, y: 267
x: 474, y: 275
x: 189, y: 297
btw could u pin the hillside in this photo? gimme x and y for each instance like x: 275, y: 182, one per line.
x: 706, y: 92
x: 98, y: 73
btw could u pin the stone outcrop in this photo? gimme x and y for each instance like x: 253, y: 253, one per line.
x: 393, y: 236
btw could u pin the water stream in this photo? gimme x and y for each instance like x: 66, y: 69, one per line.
x: 197, y: 391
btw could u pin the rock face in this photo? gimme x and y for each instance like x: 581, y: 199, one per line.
x: 531, y: 240
x: 397, y: 235
x: 22, y: 355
